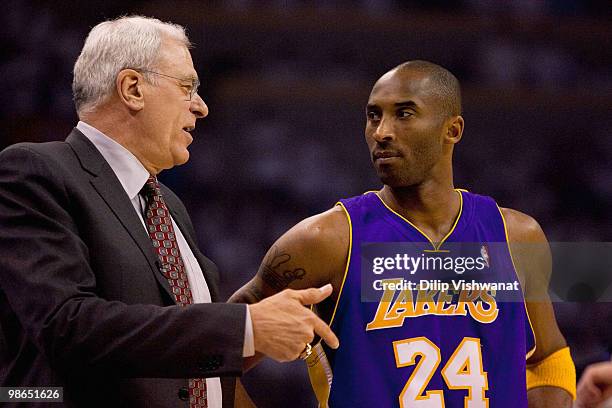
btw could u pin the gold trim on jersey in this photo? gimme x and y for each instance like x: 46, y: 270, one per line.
x: 320, y: 373
x: 436, y: 247
x: 348, y: 260
x: 530, y: 352
x: 319, y: 369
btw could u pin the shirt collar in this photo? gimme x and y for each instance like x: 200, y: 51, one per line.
x: 131, y: 173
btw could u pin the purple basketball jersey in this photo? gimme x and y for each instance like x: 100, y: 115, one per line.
x: 449, y: 348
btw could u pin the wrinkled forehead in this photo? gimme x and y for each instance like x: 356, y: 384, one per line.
x: 395, y: 86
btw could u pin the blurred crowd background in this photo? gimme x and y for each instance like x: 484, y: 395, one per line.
x: 287, y: 83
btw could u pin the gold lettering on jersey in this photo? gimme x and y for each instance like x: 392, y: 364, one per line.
x: 396, y: 305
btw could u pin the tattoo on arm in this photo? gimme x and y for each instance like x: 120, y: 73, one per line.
x: 276, y: 274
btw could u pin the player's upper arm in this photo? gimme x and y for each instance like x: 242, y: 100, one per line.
x: 311, y: 254
x: 533, y: 262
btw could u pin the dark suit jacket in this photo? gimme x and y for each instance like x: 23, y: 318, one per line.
x: 83, y: 304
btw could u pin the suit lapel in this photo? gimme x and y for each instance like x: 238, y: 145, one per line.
x: 105, y: 182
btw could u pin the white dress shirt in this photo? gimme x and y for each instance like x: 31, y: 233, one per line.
x: 132, y: 175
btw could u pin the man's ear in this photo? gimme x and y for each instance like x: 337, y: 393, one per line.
x: 454, y: 129
x: 129, y: 85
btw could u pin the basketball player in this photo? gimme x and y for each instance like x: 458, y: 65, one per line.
x: 436, y: 348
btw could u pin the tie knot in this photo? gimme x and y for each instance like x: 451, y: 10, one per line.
x: 151, y: 188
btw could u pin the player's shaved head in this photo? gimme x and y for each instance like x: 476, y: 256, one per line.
x: 444, y: 85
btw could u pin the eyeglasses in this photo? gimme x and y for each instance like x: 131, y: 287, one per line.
x: 193, y: 88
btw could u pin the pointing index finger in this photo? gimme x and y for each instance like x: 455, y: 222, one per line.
x: 326, y: 333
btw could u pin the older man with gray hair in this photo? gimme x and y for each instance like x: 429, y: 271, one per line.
x: 103, y: 290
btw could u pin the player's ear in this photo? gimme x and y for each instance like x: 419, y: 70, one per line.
x: 129, y: 84
x: 454, y: 129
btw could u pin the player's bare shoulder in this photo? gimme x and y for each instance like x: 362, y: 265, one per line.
x: 329, y: 228
x: 530, y: 251
x: 522, y: 227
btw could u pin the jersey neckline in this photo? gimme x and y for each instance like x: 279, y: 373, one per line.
x: 460, y: 218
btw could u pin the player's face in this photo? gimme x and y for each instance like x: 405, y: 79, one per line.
x: 404, y: 129
x: 170, y: 115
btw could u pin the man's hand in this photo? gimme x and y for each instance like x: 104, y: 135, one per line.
x: 282, y: 326
x: 595, y: 386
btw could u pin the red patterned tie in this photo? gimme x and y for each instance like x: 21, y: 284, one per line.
x: 161, y: 231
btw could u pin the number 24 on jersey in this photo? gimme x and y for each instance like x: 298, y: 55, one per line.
x: 463, y: 370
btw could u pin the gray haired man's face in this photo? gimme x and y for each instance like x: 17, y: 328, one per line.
x: 169, y: 116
